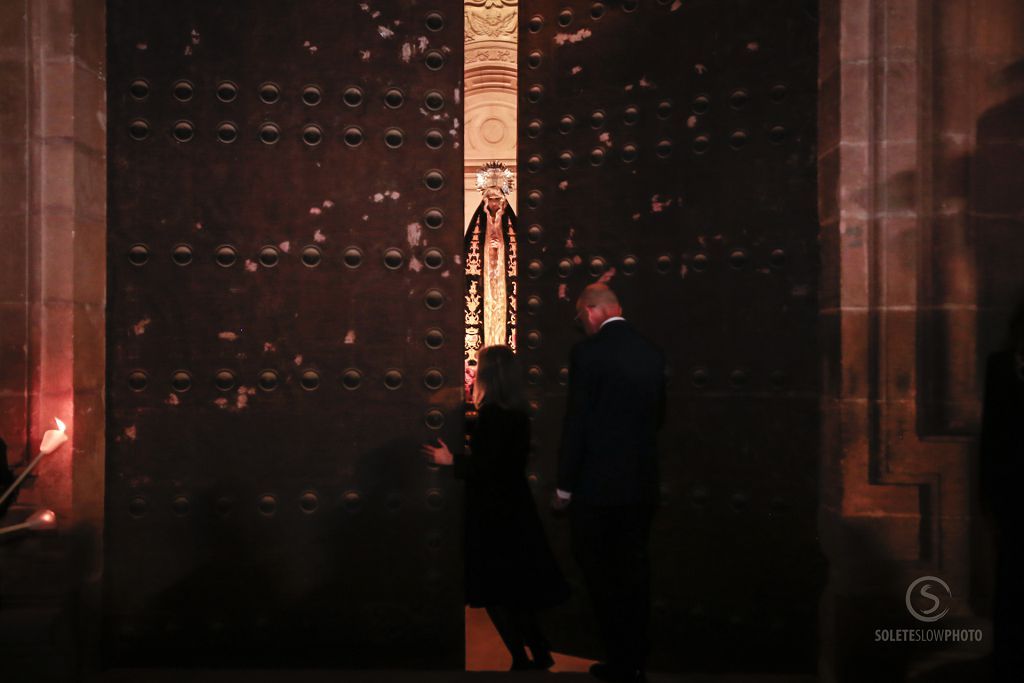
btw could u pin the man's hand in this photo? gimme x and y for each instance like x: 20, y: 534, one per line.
x: 439, y: 455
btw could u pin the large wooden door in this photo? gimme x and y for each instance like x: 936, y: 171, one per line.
x: 284, y: 325
x: 674, y: 142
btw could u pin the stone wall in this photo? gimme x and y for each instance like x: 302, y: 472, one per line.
x: 917, y: 280
x: 52, y: 288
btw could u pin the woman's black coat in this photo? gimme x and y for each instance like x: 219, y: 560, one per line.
x: 508, y: 560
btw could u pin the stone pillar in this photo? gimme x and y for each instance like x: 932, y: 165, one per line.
x: 15, y: 62
x: 52, y: 293
x: 490, y: 91
x: 904, y: 85
x: 67, y: 249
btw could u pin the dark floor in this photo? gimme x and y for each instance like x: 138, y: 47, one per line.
x: 264, y: 676
x: 25, y: 659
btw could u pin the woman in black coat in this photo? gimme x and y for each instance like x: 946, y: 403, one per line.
x: 510, y: 569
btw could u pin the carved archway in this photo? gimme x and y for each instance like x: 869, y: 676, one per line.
x: 490, y: 87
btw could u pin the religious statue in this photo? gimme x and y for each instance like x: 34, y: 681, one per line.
x: 490, y: 248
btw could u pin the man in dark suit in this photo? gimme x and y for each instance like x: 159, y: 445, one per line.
x: 608, y: 470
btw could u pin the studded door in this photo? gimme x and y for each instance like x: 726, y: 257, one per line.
x: 284, y: 331
x: 674, y: 144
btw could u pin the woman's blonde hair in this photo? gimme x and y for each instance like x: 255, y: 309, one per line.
x: 499, y: 379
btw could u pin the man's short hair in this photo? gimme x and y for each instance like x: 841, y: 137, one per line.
x: 598, y: 294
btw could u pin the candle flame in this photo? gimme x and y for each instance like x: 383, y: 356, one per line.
x: 60, y: 425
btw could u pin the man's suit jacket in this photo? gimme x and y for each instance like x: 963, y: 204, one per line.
x: 608, y: 454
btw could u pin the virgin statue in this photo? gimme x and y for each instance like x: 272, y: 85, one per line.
x: 490, y: 249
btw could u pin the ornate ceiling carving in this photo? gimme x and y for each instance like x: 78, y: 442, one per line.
x: 491, y: 20
x: 488, y: 4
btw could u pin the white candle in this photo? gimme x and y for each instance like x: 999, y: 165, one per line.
x: 53, y: 438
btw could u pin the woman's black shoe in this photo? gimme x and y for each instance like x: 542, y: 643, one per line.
x: 521, y: 665
x: 544, y: 662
